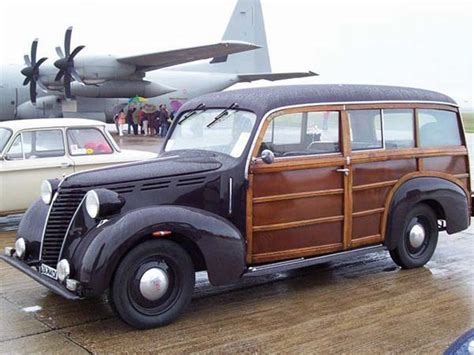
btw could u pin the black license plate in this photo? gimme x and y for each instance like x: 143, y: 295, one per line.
x: 48, y: 271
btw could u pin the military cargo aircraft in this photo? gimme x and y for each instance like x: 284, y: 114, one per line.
x: 98, y: 86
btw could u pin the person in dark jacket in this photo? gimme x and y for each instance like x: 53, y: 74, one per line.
x: 129, y: 118
x: 164, y: 116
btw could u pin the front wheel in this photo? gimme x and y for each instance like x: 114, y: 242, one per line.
x: 153, y: 284
x: 420, y: 237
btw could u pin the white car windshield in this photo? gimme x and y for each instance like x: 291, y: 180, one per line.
x: 4, y: 136
x: 217, y: 130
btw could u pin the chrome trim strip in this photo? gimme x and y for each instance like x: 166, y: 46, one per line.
x: 303, y: 262
x: 264, y: 118
x: 46, y: 221
x: 69, y: 226
x: 231, y: 184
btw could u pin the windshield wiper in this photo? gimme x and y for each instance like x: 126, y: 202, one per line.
x: 201, y: 106
x: 222, y: 114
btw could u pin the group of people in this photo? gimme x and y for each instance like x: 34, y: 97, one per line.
x: 145, y: 119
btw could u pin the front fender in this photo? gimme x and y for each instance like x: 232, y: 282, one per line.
x: 32, y: 226
x: 220, y: 243
x: 451, y: 197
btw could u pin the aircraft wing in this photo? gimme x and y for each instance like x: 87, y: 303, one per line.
x: 158, y: 60
x: 274, y: 76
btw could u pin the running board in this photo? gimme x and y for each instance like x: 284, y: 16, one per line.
x: 303, y: 262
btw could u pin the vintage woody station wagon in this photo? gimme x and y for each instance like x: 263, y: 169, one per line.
x: 252, y: 182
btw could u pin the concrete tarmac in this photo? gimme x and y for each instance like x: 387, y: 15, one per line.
x: 360, y: 305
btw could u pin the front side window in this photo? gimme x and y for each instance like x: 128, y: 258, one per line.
x: 213, y: 130
x: 37, y: 144
x: 399, y: 128
x: 366, y: 129
x: 303, y: 133
x: 438, y: 128
x: 5, y: 135
x: 87, y: 141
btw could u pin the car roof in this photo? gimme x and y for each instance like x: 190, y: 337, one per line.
x: 35, y: 123
x: 264, y: 99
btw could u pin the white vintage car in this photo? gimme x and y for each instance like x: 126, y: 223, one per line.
x: 38, y: 149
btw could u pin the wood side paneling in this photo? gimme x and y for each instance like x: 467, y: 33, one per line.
x: 364, y: 226
x: 295, y: 210
x: 296, y: 181
x: 296, y: 253
x: 450, y: 164
x: 368, y: 199
x: 381, y: 171
x: 300, y: 206
x: 298, y: 237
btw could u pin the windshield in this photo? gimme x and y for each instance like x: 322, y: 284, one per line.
x: 4, y: 136
x: 228, y: 134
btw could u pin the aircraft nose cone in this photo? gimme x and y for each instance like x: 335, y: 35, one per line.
x: 61, y: 63
x: 28, y: 71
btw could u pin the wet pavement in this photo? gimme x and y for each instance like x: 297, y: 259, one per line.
x: 360, y: 305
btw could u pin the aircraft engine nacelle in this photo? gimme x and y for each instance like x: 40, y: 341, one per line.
x: 120, y: 89
x: 93, y: 69
x: 45, y: 107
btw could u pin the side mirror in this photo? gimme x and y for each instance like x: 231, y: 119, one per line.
x: 267, y: 156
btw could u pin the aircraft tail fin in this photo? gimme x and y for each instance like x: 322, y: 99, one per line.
x: 246, y: 24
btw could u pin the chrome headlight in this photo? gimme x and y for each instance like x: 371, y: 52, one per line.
x: 20, y: 248
x: 46, y: 192
x: 63, y: 270
x: 101, y: 203
x: 92, y: 204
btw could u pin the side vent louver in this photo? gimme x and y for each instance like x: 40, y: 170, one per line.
x: 156, y: 185
x: 191, y: 181
x: 122, y: 189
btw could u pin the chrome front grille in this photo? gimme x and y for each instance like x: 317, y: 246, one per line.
x: 60, y: 216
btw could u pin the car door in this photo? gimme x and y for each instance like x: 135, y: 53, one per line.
x: 33, y: 156
x: 299, y: 205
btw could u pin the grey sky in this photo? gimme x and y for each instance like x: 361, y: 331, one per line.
x: 418, y: 43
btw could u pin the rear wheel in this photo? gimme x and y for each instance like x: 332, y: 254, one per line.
x: 420, y: 237
x: 153, y: 284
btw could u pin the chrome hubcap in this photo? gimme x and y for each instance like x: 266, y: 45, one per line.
x: 154, y: 284
x: 417, y: 235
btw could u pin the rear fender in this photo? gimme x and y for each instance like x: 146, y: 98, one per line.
x: 447, y: 194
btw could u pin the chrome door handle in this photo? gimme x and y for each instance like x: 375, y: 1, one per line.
x: 344, y: 170
x: 66, y: 165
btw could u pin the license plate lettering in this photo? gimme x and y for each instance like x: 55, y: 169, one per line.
x: 48, y: 271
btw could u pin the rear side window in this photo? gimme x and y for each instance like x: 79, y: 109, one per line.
x: 366, y: 129
x: 438, y: 128
x: 87, y: 141
x: 399, y: 128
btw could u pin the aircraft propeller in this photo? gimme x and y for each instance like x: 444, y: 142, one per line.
x: 31, y: 71
x: 66, y: 63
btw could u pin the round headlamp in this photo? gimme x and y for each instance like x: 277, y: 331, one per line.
x: 63, y: 270
x: 46, y: 192
x: 20, y: 248
x: 92, y: 204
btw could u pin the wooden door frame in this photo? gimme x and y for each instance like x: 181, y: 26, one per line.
x: 302, y: 162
